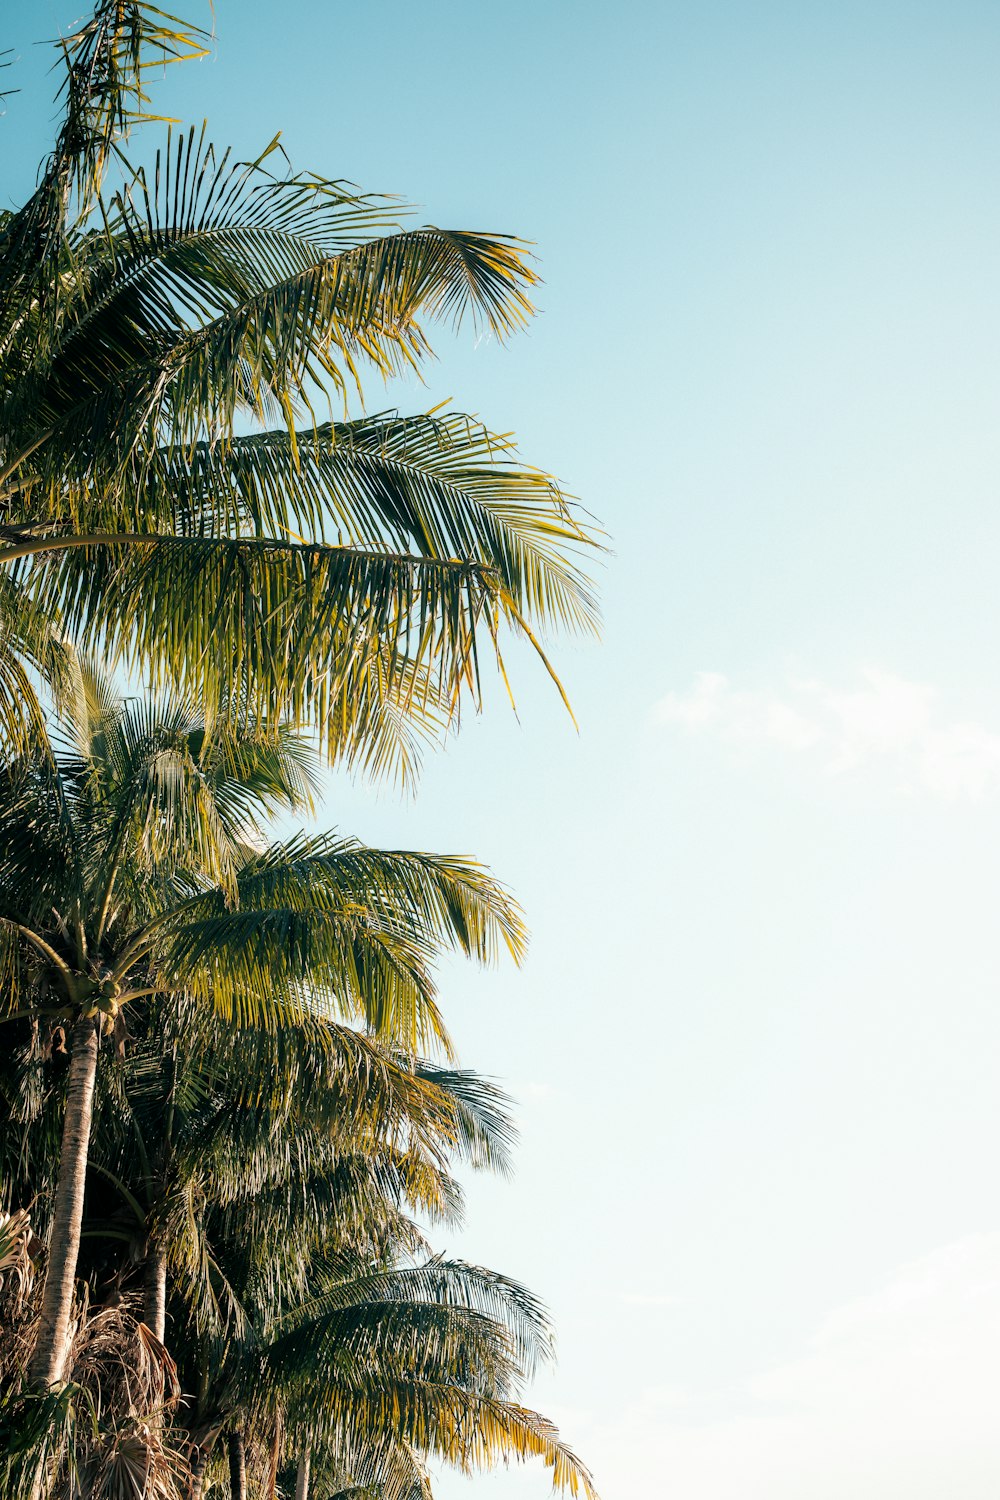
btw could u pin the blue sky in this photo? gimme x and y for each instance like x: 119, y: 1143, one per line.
x: 755, y: 1045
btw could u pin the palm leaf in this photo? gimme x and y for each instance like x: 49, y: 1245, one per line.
x: 500, y: 1309
x: 436, y: 486
x: 232, y: 291
x: 443, y: 1421
x: 105, y: 63
x: 287, y: 628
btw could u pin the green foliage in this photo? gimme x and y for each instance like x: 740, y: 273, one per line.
x: 165, y: 481
x: 303, y: 1299
x: 281, y: 1173
x: 132, y: 863
x: 181, y: 484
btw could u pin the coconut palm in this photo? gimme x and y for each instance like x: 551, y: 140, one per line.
x: 385, y: 1367
x: 188, y: 1103
x: 166, y: 477
x: 132, y: 864
x: 196, y: 1102
x: 282, y: 1169
x: 306, y: 1314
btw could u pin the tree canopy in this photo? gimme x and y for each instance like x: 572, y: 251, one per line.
x: 230, y: 1110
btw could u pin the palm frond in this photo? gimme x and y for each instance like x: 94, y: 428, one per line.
x: 482, y: 1130
x: 105, y: 64
x: 437, y: 486
x: 287, y: 628
x: 499, y: 1307
x: 460, y: 1427
x: 439, y: 899
x: 243, y: 296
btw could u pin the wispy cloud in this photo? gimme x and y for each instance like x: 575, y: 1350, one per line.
x: 532, y: 1091
x: 649, y: 1299
x: 883, y: 721
x: 894, y: 1395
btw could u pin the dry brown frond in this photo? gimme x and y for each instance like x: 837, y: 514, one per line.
x: 121, y: 1443
x: 20, y: 1250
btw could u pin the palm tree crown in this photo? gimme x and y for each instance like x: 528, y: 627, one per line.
x: 132, y: 864
x: 184, y: 337
x: 165, y: 476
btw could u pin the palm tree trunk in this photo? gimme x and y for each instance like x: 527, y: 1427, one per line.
x: 271, y: 1493
x: 198, y: 1466
x: 51, y: 1353
x: 302, y: 1477
x: 237, y: 1466
x: 154, y: 1312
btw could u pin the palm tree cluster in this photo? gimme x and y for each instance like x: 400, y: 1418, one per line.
x: 230, y: 1116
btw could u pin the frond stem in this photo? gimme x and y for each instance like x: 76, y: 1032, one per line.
x: 50, y: 953
x: 19, y: 458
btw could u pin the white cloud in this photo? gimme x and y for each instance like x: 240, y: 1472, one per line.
x: 895, y: 1395
x: 649, y: 1299
x: 885, y: 721
x: 532, y: 1091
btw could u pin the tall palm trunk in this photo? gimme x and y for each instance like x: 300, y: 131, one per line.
x: 154, y: 1312
x: 302, y: 1477
x: 50, y: 1357
x: 237, y: 1466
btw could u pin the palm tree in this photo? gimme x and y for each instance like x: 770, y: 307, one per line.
x: 132, y: 864
x: 307, y: 1314
x: 197, y: 1100
x: 165, y: 478
x: 384, y: 1367
x: 282, y: 1169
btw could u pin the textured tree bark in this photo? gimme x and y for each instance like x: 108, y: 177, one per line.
x: 271, y: 1492
x: 154, y: 1312
x: 50, y: 1356
x: 198, y: 1466
x: 237, y: 1466
x: 302, y: 1477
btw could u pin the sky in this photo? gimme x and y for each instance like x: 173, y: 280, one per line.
x: 755, y: 1044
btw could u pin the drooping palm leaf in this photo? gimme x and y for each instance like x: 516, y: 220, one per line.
x: 216, y: 289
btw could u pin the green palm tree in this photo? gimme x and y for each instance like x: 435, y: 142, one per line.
x: 132, y: 864
x: 166, y: 479
x: 197, y: 1101
x: 385, y: 1367
x: 306, y: 1315
x: 281, y: 1170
